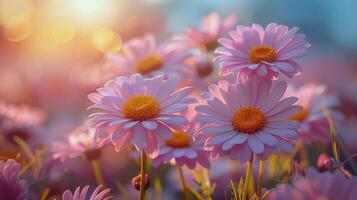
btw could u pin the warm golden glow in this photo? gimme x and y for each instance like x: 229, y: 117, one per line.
x: 262, y: 53
x: 148, y: 64
x: 248, y: 120
x: 16, y: 18
x: 179, y: 140
x: 62, y: 31
x: 88, y: 7
x: 141, y: 108
x: 105, y: 40
x: 94, y: 12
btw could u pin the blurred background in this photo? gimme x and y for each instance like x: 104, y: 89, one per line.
x: 52, y: 51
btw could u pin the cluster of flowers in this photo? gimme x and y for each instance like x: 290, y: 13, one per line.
x: 234, y: 100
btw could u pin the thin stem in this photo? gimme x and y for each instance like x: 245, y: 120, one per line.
x: 207, y: 184
x: 97, y: 172
x: 332, y: 135
x: 183, y: 181
x: 158, y: 188
x: 342, y: 146
x: 247, y: 178
x: 346, y: 172
x: 45, y: 193
x: 349, y: 158
x: 142, y: 174
x: 260, y: 179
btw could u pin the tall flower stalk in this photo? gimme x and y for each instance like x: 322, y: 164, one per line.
x: 260, y: 180
x: 142, y: 174
x: 248, y: 177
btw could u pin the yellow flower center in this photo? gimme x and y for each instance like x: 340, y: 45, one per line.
x: 141, y: 108
x: 248, y: 120
x: 179, y: 140
x: 211, y: 45
x: 148, y: 64
x: 301, y: 115
x: 204, y: 71
x: 262, y: 53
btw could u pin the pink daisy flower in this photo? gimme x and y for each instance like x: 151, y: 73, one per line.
x: 314, y: 100
x: 139, y: 111
x: 326, y: 186
x: 21, y: 121
x: 183, y: 149
x: 79, y: 142
x: 82, y: 194
x: 204, y: 71
x: 265, y: 53
x: 205, y: 38
x: 11, y: 187
x: 144, y: 56
x: 248, y: 117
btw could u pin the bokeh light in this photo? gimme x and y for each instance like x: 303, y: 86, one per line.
x: 16, y: 19
x: 105, y: 40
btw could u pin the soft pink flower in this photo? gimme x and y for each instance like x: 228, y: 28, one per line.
x: 212, y: 28
x: 144, y: 56
x: 265, y: 53
x: 316, y: 186
x: 11, y: 187
x: 79, y: 142
x: 139, y: 111
x: 314, y: 101
x: 338, y: 76
x: 21, y: 121
x: 248, y: 117
x: 82, y: 194
x: 182, y: 148
x: 205, y: 72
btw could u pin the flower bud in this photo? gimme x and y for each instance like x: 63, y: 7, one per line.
x: 325, y: 162
x: 135, y: 182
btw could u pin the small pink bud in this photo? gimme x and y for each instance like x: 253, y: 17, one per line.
x: 325, y: 162
x: 136, y: 182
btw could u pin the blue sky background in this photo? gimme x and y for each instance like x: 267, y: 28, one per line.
x: 330, y: 25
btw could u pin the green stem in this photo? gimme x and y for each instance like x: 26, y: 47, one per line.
x: 260, y: 179
x: 207, y: 185
x: 142, y: 174
x: 97, y: 172
x: 247, y: 178
x: 183, y: 182
x: 332, y: 135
